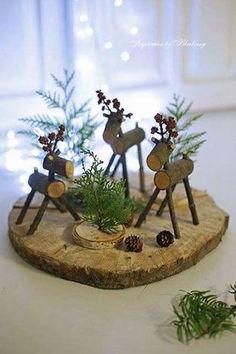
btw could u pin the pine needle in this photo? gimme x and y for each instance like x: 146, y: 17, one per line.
x: 201, y: 313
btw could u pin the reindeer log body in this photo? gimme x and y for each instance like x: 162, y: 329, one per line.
x: 56, y: 164
x: 158, y: 156
x: 40, y: 183
x: 133, y: 137
x: 176, y: 172
x: 111, y: 130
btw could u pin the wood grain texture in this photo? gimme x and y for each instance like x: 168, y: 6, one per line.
x: 88, y: 236
x: 158, y: 156
x: 52, y: 248
x: 40, y: 183
x: 59, y: 165
x: 111, y: 130
x: 175, y: 172
x: 122, y: 144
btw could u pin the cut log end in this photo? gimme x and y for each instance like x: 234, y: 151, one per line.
x: 158, y: 156
x: 56, y: 189
x: 40, y: 183
x: 162, y: 180
x: 59, y: 165
x: 69, y: 169
x: 153, y: 162
x: 176, y: 172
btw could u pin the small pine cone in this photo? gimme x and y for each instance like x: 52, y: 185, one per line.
x: 164, y: 238
x: 133, y: 243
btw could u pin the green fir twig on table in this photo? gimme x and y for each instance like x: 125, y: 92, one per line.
x: 233, y: 290
x: 186, y: 142
x: 201, y: 313
x: 78, y: 121
x: 104, y: 200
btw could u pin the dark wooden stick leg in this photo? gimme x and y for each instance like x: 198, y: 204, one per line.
x: 116, y: 167
x: 38, y: 216
x: 141, y: 171
x: 143, y: 215
x: 191, y: 203
x: 107, y: 170
x: 164, y: 204
x: 58, y: 205
x: 125, y: 175
x: 25, y: 207
x: 172, y: 213
x: 70, y: 208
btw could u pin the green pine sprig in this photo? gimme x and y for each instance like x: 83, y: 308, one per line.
x: 78, y: 121
x: 186, y: 142
x: 233, y: 290
x: 201, y: 313
x: 104, y: 200
x: 41, y: 121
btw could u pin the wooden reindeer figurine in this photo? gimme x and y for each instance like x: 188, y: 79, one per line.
x: 52, y: 188
x: 120, y: 142
x: 168, y: 174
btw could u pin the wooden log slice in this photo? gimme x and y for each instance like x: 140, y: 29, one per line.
x: 129, y: 139
x: 57, y: 164
x: 89, y: 236
x: 158, y: 156
x: 53, y: 249
x: 176, y: 172
x: 40, y: 183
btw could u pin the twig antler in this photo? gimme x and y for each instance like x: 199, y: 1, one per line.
x: 115, y: 103
x: 166, y: 128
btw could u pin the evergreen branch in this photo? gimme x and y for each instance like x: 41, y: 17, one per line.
x: 105, y: 204
x: 191, y: 138
x: 193, y: 150
x: 42, y: 121
x: 58, y: 82
x: 187, y: 109
x: 171, y: 111
x: 233, y: 290
x: 37, y: 146
x: 201, y: 313
x: 188, y: 123
x: 190, y: 150
x: 69, y: 95
x: 76, y: 112
x: 186, y: 142
x: 52, y: 100
x: 68, y: 78
x: 77, y: 133
x: 28, y: 133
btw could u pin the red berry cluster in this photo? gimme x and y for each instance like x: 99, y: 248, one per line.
x: 49, y: 143
x: 108, y: 105
x: 60, y: 133
x: 166, y: 127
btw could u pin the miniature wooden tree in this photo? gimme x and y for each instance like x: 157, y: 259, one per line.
x: 120, y: 142
x: 168, y: 174
x: 52, y: 188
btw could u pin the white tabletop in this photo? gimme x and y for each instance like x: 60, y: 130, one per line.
x: 42, y: 314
